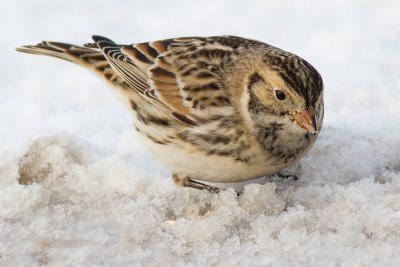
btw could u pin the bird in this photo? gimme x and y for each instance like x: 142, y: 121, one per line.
x: 219, y: 109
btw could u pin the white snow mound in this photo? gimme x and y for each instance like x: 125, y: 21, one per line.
x: 74, y: 207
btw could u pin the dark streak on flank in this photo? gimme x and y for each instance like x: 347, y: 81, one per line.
x: 213, y: 139
x: 183, y: 119
x: 134, y: 106
x: 228, y: 150
x: 158, y: 121
x: 102, y: 68
x: 156, y: 140
x: 141, y: 118
x: 147, y: 118
x: 107, y: 75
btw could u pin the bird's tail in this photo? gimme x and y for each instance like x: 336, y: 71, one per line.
x: 88, y: 56
x: 69, y: 52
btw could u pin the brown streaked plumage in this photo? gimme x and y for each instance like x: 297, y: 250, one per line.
x: 217, y: 109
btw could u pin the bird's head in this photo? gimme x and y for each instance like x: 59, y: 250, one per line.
x: 287, y: 89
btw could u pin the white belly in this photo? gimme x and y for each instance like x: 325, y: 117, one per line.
x: 212, y: 168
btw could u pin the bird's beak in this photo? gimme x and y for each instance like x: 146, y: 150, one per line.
x: 305, y: 118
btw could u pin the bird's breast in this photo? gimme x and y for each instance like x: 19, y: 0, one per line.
x: 284, y: 144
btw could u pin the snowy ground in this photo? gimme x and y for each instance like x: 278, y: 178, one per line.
x: 97, y: 197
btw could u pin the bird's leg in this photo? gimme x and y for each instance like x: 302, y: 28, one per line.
x: 187, y: 182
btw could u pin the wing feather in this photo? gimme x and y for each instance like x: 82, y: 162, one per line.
x: 181, y: 76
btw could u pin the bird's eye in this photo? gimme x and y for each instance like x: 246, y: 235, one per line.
x: 280, y: 95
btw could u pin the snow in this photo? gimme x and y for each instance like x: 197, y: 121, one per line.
x: 78, y: 188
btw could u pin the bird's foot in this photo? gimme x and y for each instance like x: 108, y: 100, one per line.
x: 187, y: 182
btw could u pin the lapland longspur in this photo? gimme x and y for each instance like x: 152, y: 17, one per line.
x: 218, y: 109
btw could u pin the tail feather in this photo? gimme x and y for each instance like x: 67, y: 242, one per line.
x: 88, y: 56
x: 69, y: 52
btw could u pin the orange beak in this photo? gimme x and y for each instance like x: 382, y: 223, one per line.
x: 305, y: 118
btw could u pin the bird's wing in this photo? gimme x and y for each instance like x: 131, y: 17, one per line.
x: 181, y: 76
